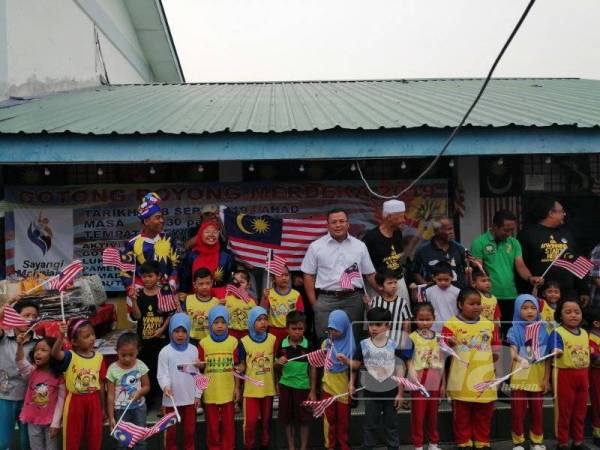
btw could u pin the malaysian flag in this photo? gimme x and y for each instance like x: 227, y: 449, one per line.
x: 580, y: 267
x: 276, y: 265
x: 320, y: 358
x: 244, y: 377
x: 164, y: 423
x: 129, y: 434
x: 237, y: 291
x: 319, y: 406
x: 483, y: 386
x: 251, y: 237
x: 449, y: 350
x: 11, y: 319
x: 348, y: 275
x: 200, y: 380
x: 410, y: 385
x: 167, y: 301
x: 111, y: 257
x: 66, y: 276
x: 532, y: 337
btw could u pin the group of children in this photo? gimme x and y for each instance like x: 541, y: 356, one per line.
x: 253, y: 353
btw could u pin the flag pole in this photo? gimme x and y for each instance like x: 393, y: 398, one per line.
x: 552, y: 263
x: 362, y: 280
x: 29, y: 291
x: 269, y: 256
x: 62, y: 306
x: 121, y: 418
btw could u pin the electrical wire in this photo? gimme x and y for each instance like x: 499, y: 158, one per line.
x: 464, y: 119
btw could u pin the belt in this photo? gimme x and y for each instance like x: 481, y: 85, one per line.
x: 339, y: 294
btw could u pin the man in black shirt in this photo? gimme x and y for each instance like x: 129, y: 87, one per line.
x: 441, y: 248
x: 544, y: 240
x: 384, y: 243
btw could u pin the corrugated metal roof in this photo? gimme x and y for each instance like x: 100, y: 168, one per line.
x: 305, y: 106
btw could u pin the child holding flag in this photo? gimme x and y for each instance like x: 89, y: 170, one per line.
x: 179, y: 387
x: 527, y: 338
x: 257, y: 357
x: 570, y: 376
x: 127, y: 384
x: 198, y: 304
x: 85, y: 374
x: 593, y: 320
x: 297, y: 382
x: 471, y: 336
x: 14, y: 321
x: 548, y: 302
x: 218, y: 353
x: 238, y: 309
x: 280, y: 300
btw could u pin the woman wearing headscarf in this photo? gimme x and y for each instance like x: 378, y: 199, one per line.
x: 209, y: 253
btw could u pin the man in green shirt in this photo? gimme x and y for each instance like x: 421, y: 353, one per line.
x: 500, y: 253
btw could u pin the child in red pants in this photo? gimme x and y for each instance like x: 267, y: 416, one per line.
x: 178, y: 386
x: 257, y: 357
x: 472, y: 339
x: 593, y: 319
x: 218, y: 351
x: 528, y: 385
x: 570, y: 376
x: 85, y: 374
x: 426, y: 366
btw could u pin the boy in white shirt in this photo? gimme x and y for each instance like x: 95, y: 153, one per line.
x: 442, y: 295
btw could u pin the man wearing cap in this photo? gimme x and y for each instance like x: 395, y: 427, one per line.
x: 325, y: 261
x: 384, y: 243
x: 441, y: 248
x: 151, y: 244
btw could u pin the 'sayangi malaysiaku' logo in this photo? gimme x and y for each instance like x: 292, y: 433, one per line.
x: 40, y: 233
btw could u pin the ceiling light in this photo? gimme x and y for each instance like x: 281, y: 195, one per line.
x: 152, y: 170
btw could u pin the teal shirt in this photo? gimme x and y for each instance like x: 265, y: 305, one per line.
x: 295, y: 374
x: 499, y: 262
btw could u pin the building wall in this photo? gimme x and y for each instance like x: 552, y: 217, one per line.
x: 49, y: 45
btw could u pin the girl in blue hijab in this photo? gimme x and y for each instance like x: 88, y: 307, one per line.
x: 527, y: 385
x: 253, y: 316
x: 180, y: 320
x: 341, y: 339
x: 216, y: 312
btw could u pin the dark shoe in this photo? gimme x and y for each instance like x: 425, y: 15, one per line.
x: 579, y: 447
x: 562, y: 447
x: 597, y: 441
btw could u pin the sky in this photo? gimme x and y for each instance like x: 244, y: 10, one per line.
x: 276, y: 40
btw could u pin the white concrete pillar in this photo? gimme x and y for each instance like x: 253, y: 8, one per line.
x: 468, y: 174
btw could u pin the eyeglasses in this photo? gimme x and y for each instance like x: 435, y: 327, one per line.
x: 560, y: 211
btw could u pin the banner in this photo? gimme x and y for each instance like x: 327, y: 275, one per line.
x: 106, y: 215
x: 43, y: 239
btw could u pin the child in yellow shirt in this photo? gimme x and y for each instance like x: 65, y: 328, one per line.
x: 490, y: 309
x: 472, y: 338
x: 549, y: 298
x: 198, y: 304
x: 528, y: 385
x: 238, y: 308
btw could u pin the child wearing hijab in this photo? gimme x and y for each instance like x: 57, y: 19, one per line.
x: 218, y: 351
x: 257, y: 357
x: 336, y: 380
x: 527, y: 386
x: 178, y: 386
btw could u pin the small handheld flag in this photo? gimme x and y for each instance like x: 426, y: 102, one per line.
x: 483, y: 386
x: 580, y: 267
x: 449, y: 350
x: 351, y: 273
x: 410, y: 385
x: 129, y: 434
x: 200, y: 380
x: 319, y: 406
x: 238, y: 292
x: 532, y: 333
x: 166, y: 299
x: 111, y: 257
x: 277, y: 265
x: 245, y: 377
x: 66, y: 276
x: 13, y: 319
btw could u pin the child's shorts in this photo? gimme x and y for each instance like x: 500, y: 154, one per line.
x: 290, y: 405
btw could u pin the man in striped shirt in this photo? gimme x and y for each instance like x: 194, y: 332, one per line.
x: 398, y: 307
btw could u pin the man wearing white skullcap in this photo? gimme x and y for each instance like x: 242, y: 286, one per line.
x: 386, y: 248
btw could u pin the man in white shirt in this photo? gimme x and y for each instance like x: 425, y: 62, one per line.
x: 324, y: 263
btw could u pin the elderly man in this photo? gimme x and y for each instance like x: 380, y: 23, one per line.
x: 325, y: 261
x: 544, y: 240
x: 385, y: 246
x: 441, y: 248
x: 501, y: 254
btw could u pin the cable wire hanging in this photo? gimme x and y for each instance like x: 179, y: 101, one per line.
x: 464, y: 119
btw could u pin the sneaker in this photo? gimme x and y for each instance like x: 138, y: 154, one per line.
x: 537, y: 447
x: 199, y: 410
x: 434, y: 447
x: 276, y: 402
x: 418, y: 448
x: 579, y: 447
x: 519, y: 447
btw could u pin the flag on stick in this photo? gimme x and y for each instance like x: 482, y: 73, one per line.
x: 130, y: 434
x: 243, y: 376
x: 237, y: 291
x: 319, y: 406
x: 111, y: 257
x: 166, y: 299
x: 277, y: 265
x: 13, y: 319
x: 449, y: 350
x: 410, y: 385
x: 66, y: 276
x: 532, y: 337
x: 580, y: 267
x: 351, y: 273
